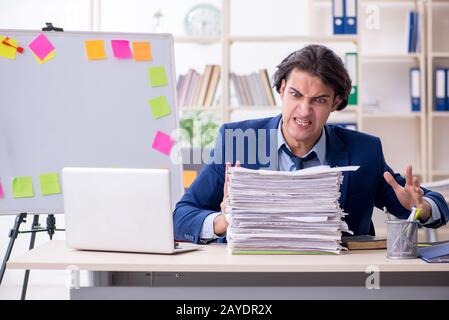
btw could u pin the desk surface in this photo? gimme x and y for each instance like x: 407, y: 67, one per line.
x: 212, y: 258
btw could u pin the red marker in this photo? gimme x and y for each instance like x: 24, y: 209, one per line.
x: 5, y: 42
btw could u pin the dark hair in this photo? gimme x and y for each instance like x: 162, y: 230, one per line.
x: 321, y: 62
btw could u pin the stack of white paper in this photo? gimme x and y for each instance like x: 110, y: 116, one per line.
x: 281, y: 212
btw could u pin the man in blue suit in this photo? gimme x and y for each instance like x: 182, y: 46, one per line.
x: 312, y: 83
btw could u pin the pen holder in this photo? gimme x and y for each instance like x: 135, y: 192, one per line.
x: 402, y: 239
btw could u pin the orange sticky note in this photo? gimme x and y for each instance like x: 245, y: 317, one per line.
x: 189, y: 177
x: 142, y: 51
x: 95, y: 49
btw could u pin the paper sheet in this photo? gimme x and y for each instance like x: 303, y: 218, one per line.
x: 158, y: 77
x: 142, y: 51
x: 121, y: 49
x: 163, y: 143
x: 49, y: 183
x: 281, y: 211
x: 47, y: 58
x: 41, y: 46
x: 22, y: 187
x: 159, y: 107
x: 2, y: 193
x: 95, y: 49
x: 7, y: 51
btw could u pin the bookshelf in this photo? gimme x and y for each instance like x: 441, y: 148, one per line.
x: 227, y: 111
x: 437, y: 56
x: 384, y: 82
x: 383, y: 73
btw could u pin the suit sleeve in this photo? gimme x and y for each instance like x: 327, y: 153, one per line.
x: 203, y: 197
x: 385, y: 196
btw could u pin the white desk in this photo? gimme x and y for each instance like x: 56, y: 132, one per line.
x: 212, y: 272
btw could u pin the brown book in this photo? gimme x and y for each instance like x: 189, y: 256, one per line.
x: 184, y: 88
x: 246, y: 91
x: 266, y: 84
x: 196, y: 91
x: 191, y: 89
x: 211, y: 90
x: 205, y: 84
x: 364, y: 242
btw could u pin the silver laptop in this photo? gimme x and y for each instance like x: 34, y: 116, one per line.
x: 126, y: 210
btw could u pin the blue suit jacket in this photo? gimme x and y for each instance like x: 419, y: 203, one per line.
x: 360, y: 192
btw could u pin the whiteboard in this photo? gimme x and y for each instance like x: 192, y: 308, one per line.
x: 74, y: 112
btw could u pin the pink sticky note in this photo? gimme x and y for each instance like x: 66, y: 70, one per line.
x: 121, y: 49
x: 41, y: 46
x: 163, y: 143
x: 2, y: 194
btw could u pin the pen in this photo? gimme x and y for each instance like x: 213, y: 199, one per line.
x: 386, y: 213
x: 5, y: 42
x: 410, y: 218
x: 417, y: 214
x: 414, y: 215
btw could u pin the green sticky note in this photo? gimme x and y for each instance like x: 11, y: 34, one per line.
x: 159, y: 107
x: 158, y: 77
x: 49, y: 184
x: 22, y: 187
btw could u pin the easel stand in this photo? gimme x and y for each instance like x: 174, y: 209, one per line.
x: 14, y: 232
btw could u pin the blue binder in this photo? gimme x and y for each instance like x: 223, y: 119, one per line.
x: 440, y: 89
x: 350, y: 16
x: 435, y: 253
x: 338, y: 7
x: 415, y: 89
x: 447, y: 90
x: 411, y: 18
x: 415, y: 31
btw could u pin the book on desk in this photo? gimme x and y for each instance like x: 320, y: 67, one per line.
x: 364, y: 242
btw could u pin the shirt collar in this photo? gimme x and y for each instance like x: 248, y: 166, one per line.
x: 319, y: 147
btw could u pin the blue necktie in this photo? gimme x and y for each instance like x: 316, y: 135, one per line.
x: 298, y: 161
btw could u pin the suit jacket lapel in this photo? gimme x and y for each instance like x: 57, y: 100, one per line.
x: 272, y: 124
x: 336, y: 157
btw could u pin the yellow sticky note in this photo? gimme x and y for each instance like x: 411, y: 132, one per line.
x: 95, y: 49
x: 7, y: 51
x: 50, y: 56
x: 158, y: 77
x: 142, y: 51
x: 189, y: 177
x: 159, y: 107
x: 49, y: 183
x: 22, y: 187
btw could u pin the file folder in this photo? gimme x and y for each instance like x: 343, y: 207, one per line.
x: 416, y: 32
x: 447, y: 90
x: 435, y: 253
x: 350, y: 17
x: 338, y: 16
x: 415, y: 88
x: 413, y: 33
x: 351, y: 61
x: 440, y: 89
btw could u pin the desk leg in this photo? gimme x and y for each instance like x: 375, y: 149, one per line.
x: 34, y: 226
x: 12, y: 235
